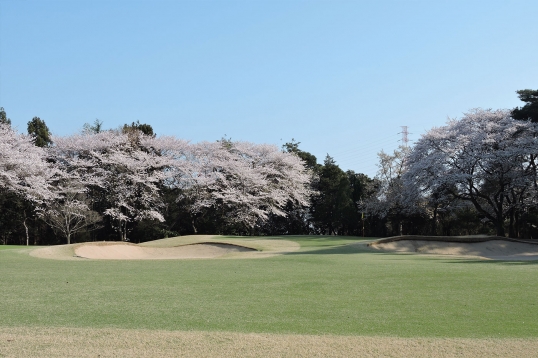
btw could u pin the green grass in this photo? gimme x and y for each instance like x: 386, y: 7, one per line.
x: 11, y: 247
x: 330, y: 286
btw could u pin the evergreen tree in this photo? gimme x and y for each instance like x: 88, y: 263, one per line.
x: 142, y: 127
x: 529, y: 112
x: 40, y: 132
x: 3, y: 117
x: 334, y: 198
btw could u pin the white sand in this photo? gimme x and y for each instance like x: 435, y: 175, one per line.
x: 120, y: 251
x: 493, y: 249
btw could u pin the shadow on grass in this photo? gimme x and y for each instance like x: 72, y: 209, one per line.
x: 461, y: 260
x: 495, y: 262
x: 361, y: 248
x: 353, y: 248
x: 318, y: 244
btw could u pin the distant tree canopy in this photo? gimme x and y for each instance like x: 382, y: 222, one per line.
x: 334, y: 198
x: 94, y: 128
x: 137, y: 187
x: 40, y: 132
x: 310, y: 160
x: 529, y: 112
x: 3, y: 117
x: 337, y: 205
x: 484, y: 159
x: 475, y: 175
x: 142, y: 127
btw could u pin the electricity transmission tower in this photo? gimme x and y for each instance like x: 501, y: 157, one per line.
x: 405, y: 138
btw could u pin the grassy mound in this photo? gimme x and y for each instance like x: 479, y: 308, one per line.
x: 181, y: 247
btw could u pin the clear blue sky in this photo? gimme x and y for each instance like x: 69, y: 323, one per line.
x: 340, y: 77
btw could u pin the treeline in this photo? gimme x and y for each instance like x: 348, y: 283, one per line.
x: 475, y: 175
x: 129, y: 184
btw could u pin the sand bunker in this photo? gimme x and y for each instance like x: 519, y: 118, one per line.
x: 120, y: 251
x: 490, y: 249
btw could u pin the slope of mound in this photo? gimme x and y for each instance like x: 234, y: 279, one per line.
x: 184, y: 247
x: 264, y: 247
x: 183, y: 240
x: 57, y: 252
x: 485, y: 247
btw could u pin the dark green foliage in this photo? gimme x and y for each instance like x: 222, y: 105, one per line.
x: 15, y: 214
x: 10, y: 220
x: 462, y: 221
x: 333, y: 201
x: 39, y: 130
x: 296, y: 222
x: 142, y: 127
x: 337, y: 206
x: 3, y: 117
x: 529, y: 112
x: 310, y: 160
x: 361, y: 187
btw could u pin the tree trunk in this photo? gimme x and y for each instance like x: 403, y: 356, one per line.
x: 518, y: 218
x: 26, y: 229
x: 511, y: 227
x: 194, y: 226
x: 123, y: 231
x: 499, y: 226
x: 434, y: 223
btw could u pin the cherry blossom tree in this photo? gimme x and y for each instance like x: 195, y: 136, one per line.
x: 80, y: 175
x: 120, y: 175
x: 24, y: 170
x: 70, y: 213
x: 394, y: 201
x: 127, y: 167
x: 246, y: 182
x: 482, y: 158
x: 259, y: 180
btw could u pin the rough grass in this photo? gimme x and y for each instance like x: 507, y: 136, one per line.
x: 87, y: 342
x: 332, y: 286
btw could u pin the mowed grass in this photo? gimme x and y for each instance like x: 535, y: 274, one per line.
x: 331, y: 286
x: 11, y: 247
